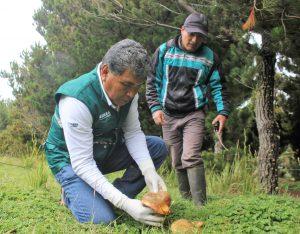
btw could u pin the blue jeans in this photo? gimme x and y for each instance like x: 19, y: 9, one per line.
x: 89, y: 206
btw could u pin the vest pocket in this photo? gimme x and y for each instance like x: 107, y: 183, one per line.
x: 104, y: 144
x: 102, y: 149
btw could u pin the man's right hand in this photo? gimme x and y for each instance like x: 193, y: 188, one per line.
x: 141, y: 213
x: 158, y: 117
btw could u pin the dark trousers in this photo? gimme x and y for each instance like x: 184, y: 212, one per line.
x: 184, y: 136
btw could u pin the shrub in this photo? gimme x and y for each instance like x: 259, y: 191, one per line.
x: 38, y: 177
x: 288, y: 165
x: 232, y: 171
x: 35, y: 160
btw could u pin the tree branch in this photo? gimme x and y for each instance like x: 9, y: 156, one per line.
x: 244, y: 84
x: 186, y: 6
x: 128, y: 19
x: 292, y: 16
x: 175, y: 12
x: 283, y: 25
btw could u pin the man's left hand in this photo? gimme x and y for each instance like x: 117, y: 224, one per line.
x: 153, y: 181
x: 221, y: 119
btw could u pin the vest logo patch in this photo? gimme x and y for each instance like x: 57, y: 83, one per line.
x: 73, y: 125
x: 104, y: 115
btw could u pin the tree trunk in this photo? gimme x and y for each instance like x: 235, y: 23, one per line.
x: 265, y: 120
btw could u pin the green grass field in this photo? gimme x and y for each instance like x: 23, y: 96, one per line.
x: 29, y: 203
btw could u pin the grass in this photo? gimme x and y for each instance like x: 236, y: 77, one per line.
x: 29, y: 203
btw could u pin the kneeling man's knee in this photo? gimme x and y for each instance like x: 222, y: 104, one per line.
x: 104, y: 220
x: 95, y: 218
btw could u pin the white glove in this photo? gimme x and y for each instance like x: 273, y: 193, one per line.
x: 153, y: 181
x: 141, y: 213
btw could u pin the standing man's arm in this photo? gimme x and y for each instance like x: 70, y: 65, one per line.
x: 154, y: 85
x: 135, y: 141
x: 219, y: 93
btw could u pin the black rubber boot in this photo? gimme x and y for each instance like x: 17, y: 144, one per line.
x: 183, y: 184
x: 196, y: 176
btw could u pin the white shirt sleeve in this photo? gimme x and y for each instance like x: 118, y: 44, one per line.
x: 135, y: 139
x: 77, y: 122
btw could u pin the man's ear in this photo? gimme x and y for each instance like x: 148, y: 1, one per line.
x: 104, y: 71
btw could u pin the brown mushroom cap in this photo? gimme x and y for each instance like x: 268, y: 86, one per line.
x: 159, y: 202
x: 184, y: 226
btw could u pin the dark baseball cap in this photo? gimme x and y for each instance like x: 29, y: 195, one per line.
x: 196, y: 23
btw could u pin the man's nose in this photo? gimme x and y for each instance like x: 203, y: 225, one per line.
x: 194, y: 39
x: 132, y: 92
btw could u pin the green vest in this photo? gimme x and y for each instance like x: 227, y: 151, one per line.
x: 106, y: 126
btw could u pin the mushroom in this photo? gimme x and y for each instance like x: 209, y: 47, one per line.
x: 184, y: 226
x: 159, y: 202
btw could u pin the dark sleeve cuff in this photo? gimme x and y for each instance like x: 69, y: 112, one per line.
x: 155, y: 108
x: 224, y: 113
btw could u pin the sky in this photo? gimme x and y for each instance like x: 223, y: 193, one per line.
x: 17, y: 34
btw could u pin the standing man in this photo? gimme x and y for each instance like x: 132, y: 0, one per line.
x: 183, y: 70
x: 95, y: 130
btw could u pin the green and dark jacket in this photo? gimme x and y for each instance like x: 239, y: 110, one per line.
x: 179, y: 81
